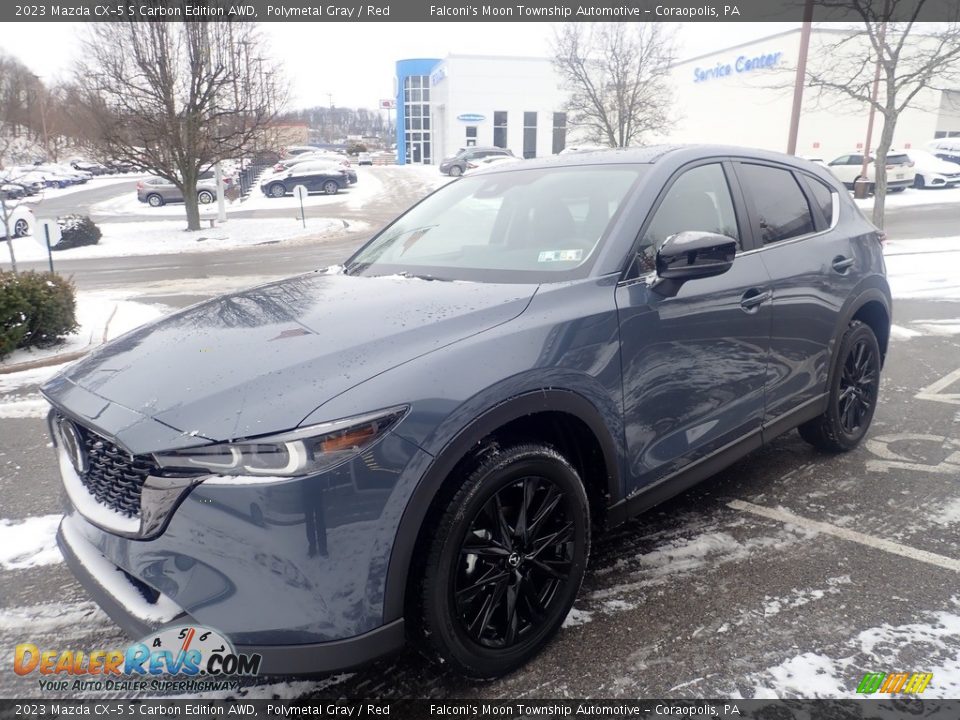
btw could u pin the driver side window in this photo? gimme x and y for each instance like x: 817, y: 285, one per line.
x: 698, y: 200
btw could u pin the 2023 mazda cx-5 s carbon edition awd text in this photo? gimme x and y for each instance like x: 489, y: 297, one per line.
x: 419, y: 445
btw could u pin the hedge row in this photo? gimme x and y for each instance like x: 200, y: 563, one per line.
x: 36, y: 310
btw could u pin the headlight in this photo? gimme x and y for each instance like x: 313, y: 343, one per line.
x: 303, y: 451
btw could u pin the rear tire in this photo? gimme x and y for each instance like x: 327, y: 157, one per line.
x: 20, y: 228
x: 504, y: 562
x: 154, y: 200
x: 854, y: 389
x: 205, y: 197
x: 330, y: 187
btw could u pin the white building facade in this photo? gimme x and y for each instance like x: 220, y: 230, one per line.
x: 738, y: 96
x: 743, y: 95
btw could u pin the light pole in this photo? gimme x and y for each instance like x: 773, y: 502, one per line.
x: 861, y: 186
x: 800, y: 78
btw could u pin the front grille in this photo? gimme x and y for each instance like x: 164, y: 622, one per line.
x: 113, y: 476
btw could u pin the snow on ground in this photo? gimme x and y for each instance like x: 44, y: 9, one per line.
x: 28, y: 543
x: 913, y: 196
x: 95, y: 310
x: 14, y: 382
x: 926, y: 269
x: 931, y: 641
x: 167, y: 237
x: 97, y: 182
x: 53, y: 617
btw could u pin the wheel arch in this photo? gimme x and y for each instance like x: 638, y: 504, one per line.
x: 871, y: 305
x: 554, y: 416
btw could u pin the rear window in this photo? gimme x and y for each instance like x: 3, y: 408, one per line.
x: 899, y: 159
x: 781, y: 207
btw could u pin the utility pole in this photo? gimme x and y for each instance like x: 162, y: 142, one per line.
x: 800, y: 79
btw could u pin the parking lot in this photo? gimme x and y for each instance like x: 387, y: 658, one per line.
x: 791, y: 573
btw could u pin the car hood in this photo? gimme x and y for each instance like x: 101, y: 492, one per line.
x: 262, y: 360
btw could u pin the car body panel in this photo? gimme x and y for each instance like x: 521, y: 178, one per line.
x: 325, y: 559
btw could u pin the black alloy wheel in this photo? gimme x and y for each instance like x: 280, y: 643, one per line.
x: 858, y: 386
x: 505, y: 562
x: 854, y: 389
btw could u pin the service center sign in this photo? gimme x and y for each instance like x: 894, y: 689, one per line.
x: 743, y: 64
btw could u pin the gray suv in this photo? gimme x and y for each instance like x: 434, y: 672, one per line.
x: 456, y: 165
x: 157, y: 191
x: 421, y: 444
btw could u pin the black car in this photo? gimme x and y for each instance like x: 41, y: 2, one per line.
x: 325, y: 177
x: 457, y: 165
x: 421, y: 445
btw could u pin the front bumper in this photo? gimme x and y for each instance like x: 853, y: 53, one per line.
x: 294, y: 570
x: 140, y: 618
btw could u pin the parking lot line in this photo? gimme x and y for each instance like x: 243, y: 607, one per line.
x: 786, y: 516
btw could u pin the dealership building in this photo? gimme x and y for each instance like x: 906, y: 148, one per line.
x: 741, y: 95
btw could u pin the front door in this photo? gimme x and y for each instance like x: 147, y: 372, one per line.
x: 694, y: 365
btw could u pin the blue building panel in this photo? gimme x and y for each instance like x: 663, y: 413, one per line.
x: 411, y: 67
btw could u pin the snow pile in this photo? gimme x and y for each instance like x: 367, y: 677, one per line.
x: 168, y: 237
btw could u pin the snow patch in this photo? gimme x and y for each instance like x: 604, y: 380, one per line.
x: 29, y: 408
x: 53, y: 617
x: 29, y: 543
x: 577, y: 617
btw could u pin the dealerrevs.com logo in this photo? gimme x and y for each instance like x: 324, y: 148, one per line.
x: 186, y: 653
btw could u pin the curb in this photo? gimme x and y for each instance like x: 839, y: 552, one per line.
x: 62, y: 357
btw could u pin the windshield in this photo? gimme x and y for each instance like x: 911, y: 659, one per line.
x: 538, y: 225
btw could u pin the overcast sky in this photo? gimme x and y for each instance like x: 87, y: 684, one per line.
x: 353, y: 62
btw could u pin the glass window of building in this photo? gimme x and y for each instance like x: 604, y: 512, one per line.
x: 559, y: 131
x: 500, y: 128
x: 529, y: 135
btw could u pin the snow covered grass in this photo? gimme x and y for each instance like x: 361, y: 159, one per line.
x: 168, y: 237
x: 926, y: 269
x: 29, y: 543
x: 94, y: 311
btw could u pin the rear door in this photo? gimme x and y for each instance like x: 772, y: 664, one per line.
x: 813, y: 268
x: 694, y: 365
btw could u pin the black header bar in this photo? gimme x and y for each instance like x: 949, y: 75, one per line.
x: 471, y: 10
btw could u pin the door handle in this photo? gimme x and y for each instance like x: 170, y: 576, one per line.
x: 841, y: 264
x: 753, y: 298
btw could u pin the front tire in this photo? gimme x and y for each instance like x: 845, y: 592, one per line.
x: 854, y: 389
x: 504, y: 562
x: 277, y: 190
x: 456, y: 171
x: 919, y: 182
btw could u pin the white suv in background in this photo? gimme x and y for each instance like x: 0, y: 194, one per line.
x: 932, y: 171
x: 900, y: 172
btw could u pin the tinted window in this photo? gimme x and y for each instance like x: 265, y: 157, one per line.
x: 698, y: 200
x: 781, y: 207
x: 842, y: 160
x: 899, y: 159
x: 823, y: 196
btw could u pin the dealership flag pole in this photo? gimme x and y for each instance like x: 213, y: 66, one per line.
x: 800, y: 79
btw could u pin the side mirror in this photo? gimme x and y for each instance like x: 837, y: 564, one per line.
x: 690, y: 255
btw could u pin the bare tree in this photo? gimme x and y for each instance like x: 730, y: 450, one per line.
x: 174, y: 98
x: 907, y: 56
x: 617, y: 75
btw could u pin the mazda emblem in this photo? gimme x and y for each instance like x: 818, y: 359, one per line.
x: 73, y: 445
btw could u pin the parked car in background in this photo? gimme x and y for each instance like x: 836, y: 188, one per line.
x: 324, y: 177
x: 156, y: 191
x: 364, y: 158
x: 457, y: 165
x: 946, y: 149
x: 20, y: 220
x: 932, y: 171
x: 12, y: 191
x: 326, y: 466
x: 490, y: 161
x: 94, y: 168
x: 119, y: 166
x: 848, y: 169
x: 317, y: 159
